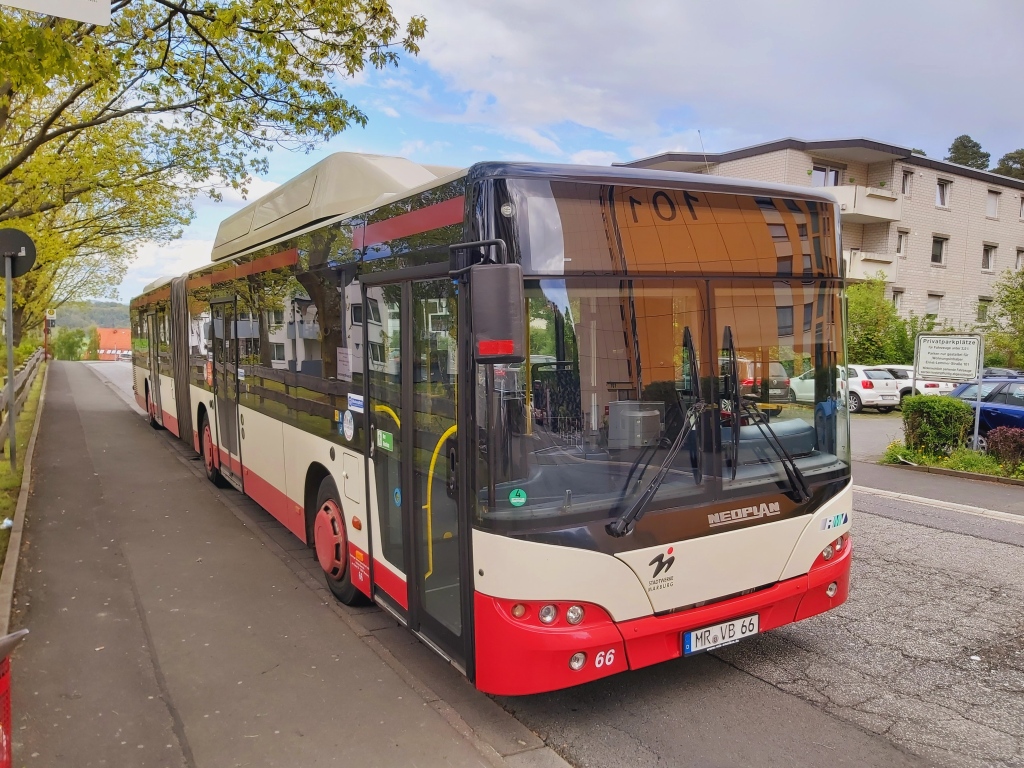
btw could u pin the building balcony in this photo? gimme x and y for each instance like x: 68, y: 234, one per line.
x: 861, y: 265
x: 303, y: 330
x: 867, y: 205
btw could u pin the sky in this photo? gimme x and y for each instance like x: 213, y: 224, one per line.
x: 602, y: 81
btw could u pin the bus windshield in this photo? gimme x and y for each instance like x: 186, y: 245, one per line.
x: 579, y: 431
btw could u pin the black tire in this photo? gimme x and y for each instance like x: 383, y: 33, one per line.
x: 205, y: 443
x: 343, y: 589
x: 792, y: 397
x: 856, y: 404
x: 904, y: 394
x: 886, y: 409
x: 149, y: 409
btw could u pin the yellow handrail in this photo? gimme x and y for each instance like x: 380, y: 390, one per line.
x: 386, y: 409
x: 430, y: 488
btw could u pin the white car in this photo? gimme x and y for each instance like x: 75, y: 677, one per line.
x: 905, y: 373
x: 872, y: 387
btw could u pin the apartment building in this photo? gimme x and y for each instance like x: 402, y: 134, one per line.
x: 938, y: 232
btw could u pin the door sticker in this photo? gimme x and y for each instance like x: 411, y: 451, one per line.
x: 517, y: 497
x: 398, y: 497
x: 385, y: 440
x: 350, y: 425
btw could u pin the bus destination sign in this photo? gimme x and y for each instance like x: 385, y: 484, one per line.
x: 948, y: 357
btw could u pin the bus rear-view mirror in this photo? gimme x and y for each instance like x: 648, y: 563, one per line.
x: 497, y: 309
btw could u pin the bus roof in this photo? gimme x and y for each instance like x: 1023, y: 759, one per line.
x: 338, y: 184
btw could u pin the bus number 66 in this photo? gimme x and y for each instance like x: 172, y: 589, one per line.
x: 605, y: 658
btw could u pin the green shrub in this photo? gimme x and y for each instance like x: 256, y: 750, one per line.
x: 967, y: 460
x: 936, y: 425
x: 1006, y: 444
x: 896, y: 453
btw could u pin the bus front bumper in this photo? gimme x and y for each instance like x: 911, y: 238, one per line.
x: 516, y: 657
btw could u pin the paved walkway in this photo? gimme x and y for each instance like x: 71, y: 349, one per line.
x: 164, y: 633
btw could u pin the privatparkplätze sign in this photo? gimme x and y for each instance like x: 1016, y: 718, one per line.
x: 948, y: 357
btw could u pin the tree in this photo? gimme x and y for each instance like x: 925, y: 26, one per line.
x: 966, y: 151
x: 917, y: 151
x: 172, y: 98
x: 1005, y: 335
x: 870, y: 320
x: 92, y: 349
x: 68, y: 343
x: 1011, y: 164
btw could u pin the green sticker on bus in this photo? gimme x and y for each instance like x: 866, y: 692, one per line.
x: 385, y: 440
x: 517, y: 497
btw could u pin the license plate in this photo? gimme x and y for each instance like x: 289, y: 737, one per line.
x: 888, y: 397
x: 776, y: 391
x: 726, y: 633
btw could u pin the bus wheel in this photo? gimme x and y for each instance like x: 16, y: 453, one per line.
x: 330, y: 540
x: 151, y: 410
x: 207, y: 447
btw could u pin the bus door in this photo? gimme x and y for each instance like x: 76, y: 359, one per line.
x: 412, y: 378
x: 152, y: 332
x: 225, y: 389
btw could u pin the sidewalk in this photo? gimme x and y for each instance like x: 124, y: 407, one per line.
x: 958, y: 490
x: 164, y: 633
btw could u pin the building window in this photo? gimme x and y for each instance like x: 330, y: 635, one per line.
x: 785, y: 316
x: 277, y: 352
x: 808, y: 315
x: 942, y: 194
x: 988, y: 258
x: 908, y: 182
x: 983, y: 305
x: 275, y: 317
x: 934, y: 306
x: 1021, y: 215
x: 902, y: 241
x: 825, y: 176
x: 376, y: 353
x: 1020, y: 259
x: 938, y: 250
x: 897, y: 300
x: 992, y: 205
x: 357, y: 314
x: 373, y: 308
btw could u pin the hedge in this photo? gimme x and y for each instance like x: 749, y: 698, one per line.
x: 936, y: 425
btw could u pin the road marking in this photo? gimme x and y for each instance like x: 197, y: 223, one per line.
x: 965, y: 508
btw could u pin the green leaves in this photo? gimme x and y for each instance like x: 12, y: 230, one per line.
x: 966, y: 151
x: 1011, y: 164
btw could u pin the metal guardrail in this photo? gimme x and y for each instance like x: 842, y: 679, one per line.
x: 23, y: 378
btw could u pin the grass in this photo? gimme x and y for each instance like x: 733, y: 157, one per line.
x: 10, y: 482
x: 960, y: 460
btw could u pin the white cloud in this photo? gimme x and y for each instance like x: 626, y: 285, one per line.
x: 390, y: 111
x: 154, y: 260
x: 420, y: 147
x: 643, y: 72
x: 594, y: 157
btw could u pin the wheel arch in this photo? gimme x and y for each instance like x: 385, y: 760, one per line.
x: 315, y: 475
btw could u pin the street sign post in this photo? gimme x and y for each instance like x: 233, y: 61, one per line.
x: 89, y: 11
x: 956, y: 357
x: 48, y: 324
x: 19, y: 254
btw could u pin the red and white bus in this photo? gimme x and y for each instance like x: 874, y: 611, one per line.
x: 513, y: 405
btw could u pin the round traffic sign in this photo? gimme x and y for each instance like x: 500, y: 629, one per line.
x: 21, y: 249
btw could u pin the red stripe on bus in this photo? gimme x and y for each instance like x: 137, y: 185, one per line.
x: 390, y: 582
x: 231, y: 271
x: 412, y: 223
x: 170, y: 423
x: 275, y: 501
x: 359, y: 563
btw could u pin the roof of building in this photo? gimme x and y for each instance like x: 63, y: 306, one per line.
x: 843, y: 150
x: 115, y: 338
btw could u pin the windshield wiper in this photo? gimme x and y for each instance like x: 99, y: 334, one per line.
x: 626, y: 522
x: 796, y: 478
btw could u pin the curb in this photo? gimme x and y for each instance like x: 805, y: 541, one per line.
x: 10, y: 570
x: 992, y: 514
x: 958, y: 473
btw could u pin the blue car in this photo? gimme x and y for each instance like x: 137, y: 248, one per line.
x: 1002, y: 404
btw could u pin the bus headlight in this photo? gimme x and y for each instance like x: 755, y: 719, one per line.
x: 547, y: 614
x: 518, y: 610
x: 574, y: 615
x: 577, y: 661
x: 827, y: 552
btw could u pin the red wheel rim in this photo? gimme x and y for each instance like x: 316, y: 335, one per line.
x: 208, y: 448
x: 330, y: 540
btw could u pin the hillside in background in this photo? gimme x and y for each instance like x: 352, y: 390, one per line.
x: 86, y: 314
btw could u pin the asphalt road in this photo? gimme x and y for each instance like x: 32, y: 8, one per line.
x: 924, y: 665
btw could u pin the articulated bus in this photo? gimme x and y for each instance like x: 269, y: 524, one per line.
x: 541, y: 414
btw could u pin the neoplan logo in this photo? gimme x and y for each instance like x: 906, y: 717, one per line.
x: 741, y: 514
x: 662, y: 564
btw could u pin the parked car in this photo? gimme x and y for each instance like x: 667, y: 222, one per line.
x: 872, y: 387
x: 801, y: 388
x: 1002, y: 404
x: 1007, y: 373
x: 904, y: 375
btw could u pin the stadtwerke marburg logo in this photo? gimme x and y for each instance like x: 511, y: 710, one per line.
x: 662, y: 565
